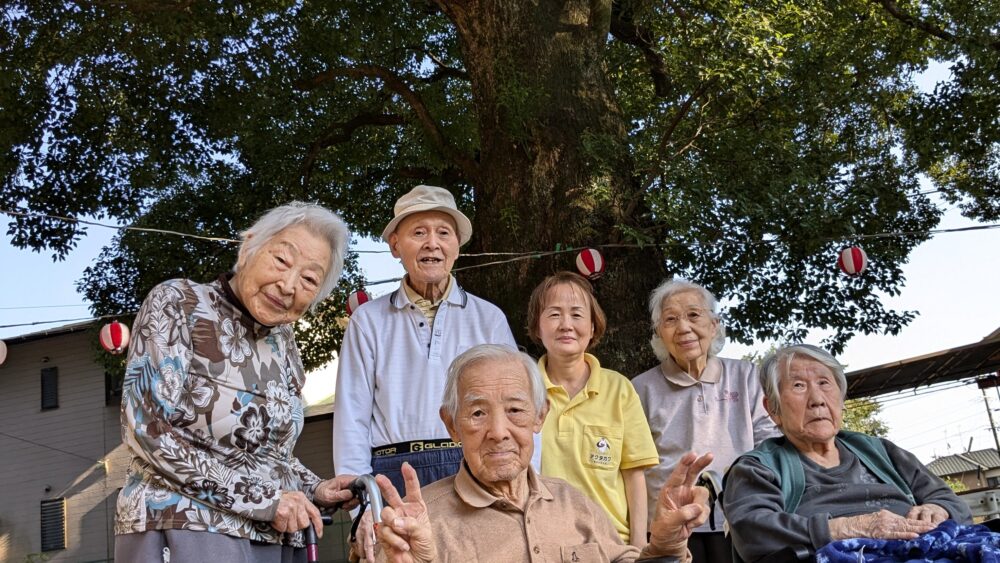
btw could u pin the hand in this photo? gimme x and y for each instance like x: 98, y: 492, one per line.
x: 928, y: 513
x: 295, y: 512
x: 405, y: 533
x: 882, y: 525
x: 333, y: 491
x: 680, y: 508
x: 363, y: 544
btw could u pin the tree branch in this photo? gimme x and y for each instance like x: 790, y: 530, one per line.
x: 341, y: 132
x: 144, y: 6
x: 927, y: 27
x: 442, y: 70
x: 624, y: 28
x: 667, y: 139
x: 395, y: 83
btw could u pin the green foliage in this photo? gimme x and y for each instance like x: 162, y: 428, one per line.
x: 748, y: 141
x: 861, y: 415
x: 955, y: 485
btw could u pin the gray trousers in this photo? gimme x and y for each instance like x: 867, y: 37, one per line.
x: 183, y: 546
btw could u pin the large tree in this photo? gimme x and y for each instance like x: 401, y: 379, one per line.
x: 739, y: 144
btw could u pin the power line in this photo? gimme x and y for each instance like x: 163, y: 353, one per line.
x: 41, y: 307
x: 515, y: 255
x: 53, y: 448
x: 512, y: 256
x: 68, y: 320
x: 115, y: 227
x: 189, y: 235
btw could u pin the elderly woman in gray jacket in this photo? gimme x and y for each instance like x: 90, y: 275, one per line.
x: 212, y: 403
x: 820, y: 483
x: 695, y: 400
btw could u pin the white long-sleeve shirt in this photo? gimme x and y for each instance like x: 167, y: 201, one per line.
x: 393, y: 366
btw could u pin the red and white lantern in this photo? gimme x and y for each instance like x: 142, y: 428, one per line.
x: 3, y: 352
x: 355, y: 300
x: 114, y: 337
x: 590, y: 263
x: 852, y: 260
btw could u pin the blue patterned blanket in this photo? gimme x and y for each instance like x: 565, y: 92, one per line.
x: 947, y: 542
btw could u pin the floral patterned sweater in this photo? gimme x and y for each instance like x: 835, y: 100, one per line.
x: 211, y: 410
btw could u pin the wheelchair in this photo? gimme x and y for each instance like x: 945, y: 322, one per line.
x: 789, y: 554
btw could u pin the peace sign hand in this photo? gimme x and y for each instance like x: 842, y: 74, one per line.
x: 680, y: 508
x: 405, y: 533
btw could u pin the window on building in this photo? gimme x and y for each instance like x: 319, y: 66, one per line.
x: 53, y: 524
x: 50, y: 388
x: 993, y: 481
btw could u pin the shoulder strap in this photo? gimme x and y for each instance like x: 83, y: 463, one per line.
x: 781, y: 458
x: 872, y: 453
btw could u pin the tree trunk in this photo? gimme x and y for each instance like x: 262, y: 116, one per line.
x: 555, y: 164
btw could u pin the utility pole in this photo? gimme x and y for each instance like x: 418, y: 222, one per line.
x: 991, y: 381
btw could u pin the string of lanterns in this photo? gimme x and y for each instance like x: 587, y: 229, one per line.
x: 114, y: 336
x: 590, y: 263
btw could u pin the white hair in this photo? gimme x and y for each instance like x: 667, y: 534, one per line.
x: 491, y: 353
x: 319, y: 220
x: 775, y: 366
x: 670, y: 288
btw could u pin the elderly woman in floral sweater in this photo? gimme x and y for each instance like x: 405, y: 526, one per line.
x: 212, y: 403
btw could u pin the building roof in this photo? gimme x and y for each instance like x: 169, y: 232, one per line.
x: 961, y: 362
x: 965, y: 462
x: 46, y: 333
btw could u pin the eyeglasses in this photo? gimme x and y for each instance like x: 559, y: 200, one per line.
x: 694, y: 316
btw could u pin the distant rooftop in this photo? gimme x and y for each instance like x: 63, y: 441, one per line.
x: 48, y: 332
x: 960, y: 362
x: 965, y: 462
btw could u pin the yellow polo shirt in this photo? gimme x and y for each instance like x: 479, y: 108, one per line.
x: 589, y: 439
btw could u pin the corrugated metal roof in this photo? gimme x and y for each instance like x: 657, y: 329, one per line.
x: 965, y: 462
x: 960, y: 362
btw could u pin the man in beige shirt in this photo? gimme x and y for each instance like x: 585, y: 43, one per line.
x: 497, y: 508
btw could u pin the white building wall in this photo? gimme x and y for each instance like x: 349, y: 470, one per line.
x: 58, y: 453
x: 72, y: 451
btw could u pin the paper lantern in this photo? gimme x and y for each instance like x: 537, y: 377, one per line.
x: 852, y: 260
x: 3, y: 352
x: 114, y: 337
x: 355, y: 300
x: 590, y: 263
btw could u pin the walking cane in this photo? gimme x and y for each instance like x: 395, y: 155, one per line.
x: 365, y: 489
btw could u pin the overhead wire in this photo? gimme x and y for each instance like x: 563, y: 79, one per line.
x: 883, y: 401
x: 512, y: 256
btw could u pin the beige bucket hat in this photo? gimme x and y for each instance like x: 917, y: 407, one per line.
x: 429, y: 198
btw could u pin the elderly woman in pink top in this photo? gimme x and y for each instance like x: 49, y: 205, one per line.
x: 695, y: 400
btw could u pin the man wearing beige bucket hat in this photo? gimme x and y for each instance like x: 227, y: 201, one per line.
x: 397, y: 348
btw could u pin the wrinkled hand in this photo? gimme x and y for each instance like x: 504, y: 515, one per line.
x: 928, y: 513
x: 882, y: 525
x: 295, y: 512
x: 405, y: 533
x: 333, y: 491
x: 680, y: 508
x: 363, y: 544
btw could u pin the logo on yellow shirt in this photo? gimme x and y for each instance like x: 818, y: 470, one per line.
x: 601, y: 456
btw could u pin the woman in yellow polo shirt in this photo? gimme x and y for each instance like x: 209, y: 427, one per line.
x: 595, y: 435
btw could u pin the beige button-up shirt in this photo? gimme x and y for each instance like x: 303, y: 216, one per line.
x: 558, y: 523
